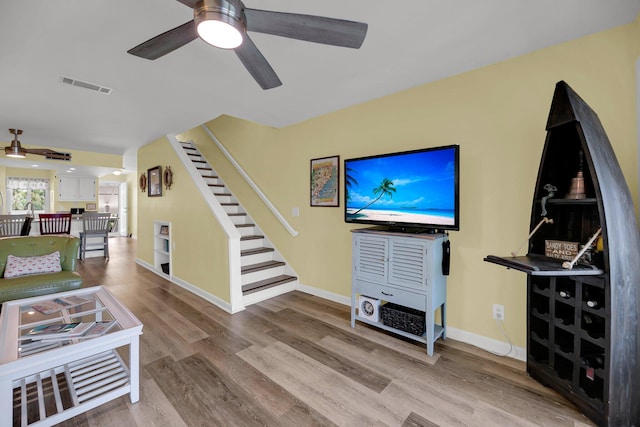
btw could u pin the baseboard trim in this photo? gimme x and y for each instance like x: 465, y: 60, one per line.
x: 489, y: 344
x: 341, y: 299
x: 189, y: 287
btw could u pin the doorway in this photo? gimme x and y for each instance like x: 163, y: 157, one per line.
x: 112, y: 198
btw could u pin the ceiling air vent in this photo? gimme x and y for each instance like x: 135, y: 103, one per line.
x: 85, y: 85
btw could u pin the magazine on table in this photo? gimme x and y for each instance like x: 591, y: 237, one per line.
x: 51, y: 306
x: 67, y: 331
x: 98, y: 329
x: 59, y: 331
x: 28, y: 347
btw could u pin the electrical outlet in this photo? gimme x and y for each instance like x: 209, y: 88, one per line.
x: 498, y: 311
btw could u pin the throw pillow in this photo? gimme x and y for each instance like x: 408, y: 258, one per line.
x: 22, y: 266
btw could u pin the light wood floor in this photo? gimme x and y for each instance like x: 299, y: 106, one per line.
x: 295, y: 361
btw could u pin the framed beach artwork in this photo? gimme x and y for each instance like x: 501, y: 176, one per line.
x: 325, y: 176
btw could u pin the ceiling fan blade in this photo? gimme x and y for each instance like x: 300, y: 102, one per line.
x: 166, y: 42
x: 256, y: 64
x: 50, y: 154
x: 318, y: 29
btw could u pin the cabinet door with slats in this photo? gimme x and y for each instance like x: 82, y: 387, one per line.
x: 370, y: 257
x: 407, y: 263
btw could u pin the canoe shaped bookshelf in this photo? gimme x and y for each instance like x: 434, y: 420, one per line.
x: 583, y: 317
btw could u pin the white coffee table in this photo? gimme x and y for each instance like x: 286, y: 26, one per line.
x: 45, y: 383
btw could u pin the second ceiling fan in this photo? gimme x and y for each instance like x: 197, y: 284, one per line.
x: 224, y: 23
x: 17, y: 151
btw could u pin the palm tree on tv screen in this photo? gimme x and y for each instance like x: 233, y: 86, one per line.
x: 385, y: 188
x: 350, y: 180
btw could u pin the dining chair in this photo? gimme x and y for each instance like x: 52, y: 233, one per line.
x: 55, y: 223
x: 12, y: 225
x: 94, y: 225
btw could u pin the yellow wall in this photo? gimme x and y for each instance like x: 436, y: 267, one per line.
x: 497, y: 115
x: 200, y: 253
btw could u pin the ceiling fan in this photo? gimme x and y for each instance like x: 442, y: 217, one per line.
x: 224, y: 24
x: 15, y: 150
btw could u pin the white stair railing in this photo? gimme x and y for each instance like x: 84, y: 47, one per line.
x: 253, y: 185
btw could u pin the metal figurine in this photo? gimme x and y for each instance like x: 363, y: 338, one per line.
x: 551, y: 189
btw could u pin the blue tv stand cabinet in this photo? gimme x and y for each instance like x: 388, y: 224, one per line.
x: 404, y: 269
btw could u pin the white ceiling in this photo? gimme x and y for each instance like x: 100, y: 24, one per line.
x: 408, y: 43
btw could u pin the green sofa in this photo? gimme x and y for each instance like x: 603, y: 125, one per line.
x: 45, y: 283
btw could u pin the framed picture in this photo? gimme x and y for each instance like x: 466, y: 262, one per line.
x: 325, y: 177
x: 154, y: 181
x: 164, y: 230
x: 91, y: 206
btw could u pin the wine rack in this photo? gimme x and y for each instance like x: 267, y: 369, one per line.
x: 582, y: 335
x: 567, y: 337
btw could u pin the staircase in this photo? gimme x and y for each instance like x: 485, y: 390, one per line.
x: 262, y: 267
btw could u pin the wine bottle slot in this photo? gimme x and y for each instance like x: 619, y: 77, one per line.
x: 592, y: 303
x: 594, y: 361
x: 565, y: 344
x: 565, y: 293
x: 593, y: 297
x: 593, y: 325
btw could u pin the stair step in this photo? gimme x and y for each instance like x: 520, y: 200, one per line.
x: 255, y: 251
x: 239, y: 218
x: 261, y: 266
x: 258, y: 259
x: 253, y: 237
x: 267, y: 283
x: 254, y: 254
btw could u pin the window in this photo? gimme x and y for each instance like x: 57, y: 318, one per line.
x: 22, y: 191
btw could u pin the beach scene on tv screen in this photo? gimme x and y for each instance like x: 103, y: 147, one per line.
x: 416, y: 188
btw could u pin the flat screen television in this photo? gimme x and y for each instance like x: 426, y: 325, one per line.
x: 407, y: 191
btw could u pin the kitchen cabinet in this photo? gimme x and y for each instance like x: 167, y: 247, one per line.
x: 77, y: 189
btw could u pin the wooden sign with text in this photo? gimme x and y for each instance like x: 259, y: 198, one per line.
x: 560, y: 249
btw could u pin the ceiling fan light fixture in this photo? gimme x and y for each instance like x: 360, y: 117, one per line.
x: 219, y: 34
x: 15, y: 152
x: 219, y: 23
